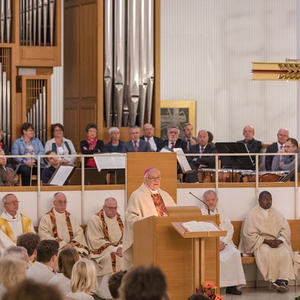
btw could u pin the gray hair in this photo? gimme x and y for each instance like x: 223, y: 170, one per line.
x: 108, y: 199
x: 58, y: 193
x: 113, y: 129
x: 16, y: 252
x: 209, y: 192
x: 4, y: 198
x: 171, y: 127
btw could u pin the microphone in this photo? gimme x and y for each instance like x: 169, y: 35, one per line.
x: 201, y: 201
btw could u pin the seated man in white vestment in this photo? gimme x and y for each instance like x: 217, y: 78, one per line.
x: 104, y: 235
x: 12, y: 223
x: 58, y: 224
x: 231, y: 268
x: 46, y: 265
x: 148, y: 200
x: 266, y: 234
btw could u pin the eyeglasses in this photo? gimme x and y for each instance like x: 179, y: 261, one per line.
x: 154, y: 178
x: 12, y: 202
x: 112, y: 207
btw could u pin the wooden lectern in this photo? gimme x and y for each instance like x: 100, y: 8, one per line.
x: 187, y: 261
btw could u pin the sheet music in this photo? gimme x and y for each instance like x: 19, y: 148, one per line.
x: 61, y: 175
x: 181, y: 158
x: 165, y: 150
x: 110, y: 162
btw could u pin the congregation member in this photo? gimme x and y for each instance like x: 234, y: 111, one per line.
x: 144, y: 283
x: 27, y: 145
x: 155, y: 142
x: 287, y: 162
x: 29, y: 241
x: 58, y: 224
x: 17, y: 252
x: 44, y: 268
x: 83, y: 280
x: 8, y: 177
x: 135, y: 144
x: 31, y: 290
x: 2, y: 145
x: 282, y: 137
x: 266, y: 234
x: 231, y: 268
x: 104, y: 235
x: 60, y: 145
x: 188, y: 136
x: 148, y: 200
x: 53, y: 164
x: 12, y: 222
x: 173, y: 140
x: 114, y: 284
x: 12, y: 272
x: 252, y: 144
x: 91, y: 145
x: 66, y: 260
x: 115, y: 144
x: 210, y: 138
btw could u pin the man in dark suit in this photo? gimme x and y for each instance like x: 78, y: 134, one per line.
x: 136, y: 144
x: 156, y: 143
x: 201, y: 161
x: 252, y: 144
x: 282, y: 137
x: 173, y: 140
x: 188, y: 136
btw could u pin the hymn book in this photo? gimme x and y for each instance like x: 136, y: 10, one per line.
x: 194, y: 226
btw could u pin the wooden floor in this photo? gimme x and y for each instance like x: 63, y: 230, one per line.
x: 263, y: 294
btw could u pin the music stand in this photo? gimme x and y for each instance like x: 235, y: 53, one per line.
x: 235, y: 162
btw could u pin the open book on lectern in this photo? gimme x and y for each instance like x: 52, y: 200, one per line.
x: 115, y: 161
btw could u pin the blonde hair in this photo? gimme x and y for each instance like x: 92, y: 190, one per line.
x: 12, y: 271
x: 83, y: 276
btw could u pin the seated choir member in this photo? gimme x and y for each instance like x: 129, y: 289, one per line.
x: 173, y: 140
x: 83, y: 280
x: 252, y: 144
x: 91, y: 145
x: 231, y: 269
x: 114, y: 145
x: 12, y: 222
x: 2, y: 145
x: 267, y: 235
x: 188, y: 136
x: 60, y: 145
x: 148, y: 136
x: 43, y: 269
x: 201, y: 161
x: 144, y: 283
x: 287, y: 162
x: 104, y: 235
x: 66, y: 260
x: 148, y: 200
x: 27, y: 145
x: 29, y: 241
x: 8, y: 177
x: 282, y: 136
x: 136, y: 144
x: 58, y: 224
x: 53, y: 164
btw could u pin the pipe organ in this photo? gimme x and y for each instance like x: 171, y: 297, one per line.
x: 128, y: 62
x: 29, y: 38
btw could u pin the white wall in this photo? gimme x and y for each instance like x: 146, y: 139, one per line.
x: 207, y: 47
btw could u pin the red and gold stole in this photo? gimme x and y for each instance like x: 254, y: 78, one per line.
x: 100, y: 214
x: 69, y: 226
x: 159, y: 204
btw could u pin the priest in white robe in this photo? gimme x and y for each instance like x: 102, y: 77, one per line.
x: 12, y: 222
x: 266, y: 234
x: 58, y: 224
x: 104, y: 235
x: 231, y: 268
x: 148, y: 200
